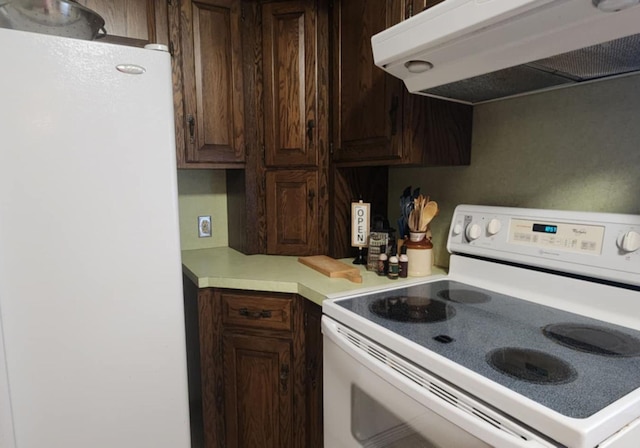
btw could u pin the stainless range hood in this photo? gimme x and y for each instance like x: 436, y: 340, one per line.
x: 474, y: 51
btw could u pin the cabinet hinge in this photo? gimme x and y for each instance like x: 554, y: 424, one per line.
x: 171, y: 48
x: 264, y: 155
x: 242, y: 15
x: 410, y: 9
x: 331, y: 148
x: 306, y: 320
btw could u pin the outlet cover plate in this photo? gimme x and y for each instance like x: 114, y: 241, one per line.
x: 204, y: 226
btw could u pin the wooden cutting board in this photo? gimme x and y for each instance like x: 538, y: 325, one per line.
x: 332, y: 267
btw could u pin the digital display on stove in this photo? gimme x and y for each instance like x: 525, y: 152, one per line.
x: 545, y: 228
x: 557, y: 236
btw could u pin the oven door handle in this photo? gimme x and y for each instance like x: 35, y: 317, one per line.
x: 473, y: 424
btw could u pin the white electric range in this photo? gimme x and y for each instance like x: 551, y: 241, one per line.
x: 532, y: 339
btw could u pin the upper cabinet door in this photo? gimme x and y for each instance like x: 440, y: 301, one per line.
x: 132, y: 22
x: 213, y: 82
x: 367, y: 103
x: 290, y: 118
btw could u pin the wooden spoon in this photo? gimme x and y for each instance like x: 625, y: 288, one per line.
x: 429, y: 211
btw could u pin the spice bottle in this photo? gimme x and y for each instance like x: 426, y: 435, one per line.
x: 393, y: 268
x: 382, y: 261
x: 403, y: 261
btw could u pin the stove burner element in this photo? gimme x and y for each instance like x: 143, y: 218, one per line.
x: 413, y: 309
x: 464, y: 296
x: 593, y: 339
x: 532, y: 366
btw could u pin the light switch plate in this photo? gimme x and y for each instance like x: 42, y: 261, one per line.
x: 204, y: 226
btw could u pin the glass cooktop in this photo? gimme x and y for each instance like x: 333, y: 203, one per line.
x: 572, y: 364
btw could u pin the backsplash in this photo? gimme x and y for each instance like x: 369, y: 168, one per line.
x: 571, y: 149
x: 202, y: 192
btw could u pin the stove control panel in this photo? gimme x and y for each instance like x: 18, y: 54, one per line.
x: 560, y: 236
x: 602, y: 245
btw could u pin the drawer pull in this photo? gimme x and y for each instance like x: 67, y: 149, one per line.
x: 254, y: 314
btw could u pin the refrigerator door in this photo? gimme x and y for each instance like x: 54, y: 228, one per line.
x: 7, y: 439
x: 90, y: 272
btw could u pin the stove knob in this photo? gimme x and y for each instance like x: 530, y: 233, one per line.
x: 473, y: 231
x: 494, y: 226
x: 457, y: 228
x: 629, y: 241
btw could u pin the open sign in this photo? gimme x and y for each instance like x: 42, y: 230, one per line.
x: 359, y: 223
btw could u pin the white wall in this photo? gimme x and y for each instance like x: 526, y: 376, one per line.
x: 574, y: 149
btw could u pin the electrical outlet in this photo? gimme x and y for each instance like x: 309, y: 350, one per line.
x: 204, y: 226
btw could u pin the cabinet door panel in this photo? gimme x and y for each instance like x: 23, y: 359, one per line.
x: 258, y: 391
x: 292, y: 202
x: 367, y: 102
x: 289, y: 83
x: 213, y: 81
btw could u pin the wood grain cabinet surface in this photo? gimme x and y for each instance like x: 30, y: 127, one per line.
x: 291, y: 127
x: 292, y: 212
x: 375, y: 120
x: 367, y: 103
x: 211, y: 82
x: 414, y: 7
x: 290, y: 96
x: 259, y: 385
x: 132, y: 22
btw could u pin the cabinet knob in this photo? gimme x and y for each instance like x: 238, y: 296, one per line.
x: 311, y: 124
x: 310, y: 198
x: 258, y: 314
x: 191, y: 121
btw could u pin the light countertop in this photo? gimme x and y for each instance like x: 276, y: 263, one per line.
x: 223, y: 267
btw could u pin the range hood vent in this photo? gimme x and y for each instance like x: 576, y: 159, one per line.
x: 617, y: 57
x: 489, y: 56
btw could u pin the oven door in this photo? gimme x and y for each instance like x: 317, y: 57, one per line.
x: 374, y: 398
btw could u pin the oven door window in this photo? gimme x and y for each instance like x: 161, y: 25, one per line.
x: 373, y: 425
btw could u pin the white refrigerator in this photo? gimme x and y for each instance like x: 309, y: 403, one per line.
x: 92, y: 340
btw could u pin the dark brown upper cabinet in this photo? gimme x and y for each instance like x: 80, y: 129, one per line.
x: 212, y: 83
x: 375, y: 120
x: 289, y: 65
x: 294, y: 85
x: 367, y: 103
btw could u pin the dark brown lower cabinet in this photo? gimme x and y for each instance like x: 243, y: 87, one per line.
x: 258, y: 392
x: 259, y: 367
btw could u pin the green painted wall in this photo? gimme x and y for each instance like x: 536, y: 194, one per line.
x: 202, y: 192
x: 573, y: 149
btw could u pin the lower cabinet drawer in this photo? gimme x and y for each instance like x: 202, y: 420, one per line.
x: 256, y: 311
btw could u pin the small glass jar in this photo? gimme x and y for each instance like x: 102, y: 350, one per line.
x: 403, y: 261
x: 420, y: 254
x: 392, y: 272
